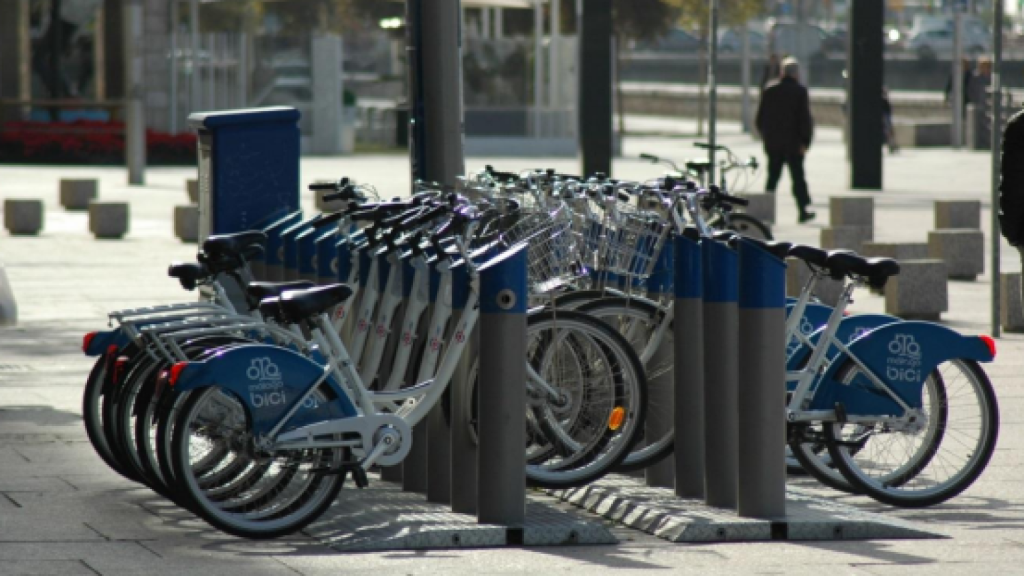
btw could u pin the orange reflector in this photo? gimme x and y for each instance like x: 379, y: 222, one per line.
x: 176, y: 372
x: 616, y: 417
x: 86, y: 340
x: 991, y: 343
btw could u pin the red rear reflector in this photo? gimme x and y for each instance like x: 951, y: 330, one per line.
x: 991, y: 343
x: 175, y: 372
x: 119, y: 368
x: 86, y: 340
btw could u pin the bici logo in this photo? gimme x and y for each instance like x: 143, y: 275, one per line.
x: 904, y: 362
x: 268, y: 389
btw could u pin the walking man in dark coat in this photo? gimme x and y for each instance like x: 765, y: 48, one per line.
x: 1011, y: 184
x: 785, y: 123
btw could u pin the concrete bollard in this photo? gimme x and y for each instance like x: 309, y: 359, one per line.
x: 797, y: 274
x: 896, y: 250
x: 761, y: 206
x: 8, y: 306
x: 761, y: 484
x: 108, y: 220
x: 186, y: 223
x: 958, y: 214
x: 23, y: 217
x: 688, y: 373
x: 501, y: 490
x: 192, y: 187
x: 1011, y: 310
x: 77, y: 194
x: 963, y: 251
x: 852, y: 212
x: 919, y: 292
x: 848, y: 237
x: 719, y: 264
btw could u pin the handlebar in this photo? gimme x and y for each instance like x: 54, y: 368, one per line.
x: 706, y: 146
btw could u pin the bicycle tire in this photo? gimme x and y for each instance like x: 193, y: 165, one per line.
x: 912, y: 484
x: 96, y: 387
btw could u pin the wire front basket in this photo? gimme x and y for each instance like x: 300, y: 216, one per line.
x: 552, y: 248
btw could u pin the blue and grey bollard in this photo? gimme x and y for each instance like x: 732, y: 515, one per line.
x: 720, y: 373
x: 273, y: 254
x: 762, y: 377
x: 501, y: 468
x: 660, y: 382
x: 688, y: 329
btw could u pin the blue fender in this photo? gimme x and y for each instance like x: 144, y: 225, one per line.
x: 268, y: 380
x: 902, y: 355
x: 849, y: 329
x: 104, y: 339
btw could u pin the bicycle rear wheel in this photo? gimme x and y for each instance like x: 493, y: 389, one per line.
x: 932, y: 455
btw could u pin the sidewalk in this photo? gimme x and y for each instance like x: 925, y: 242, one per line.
x: 62, y: 511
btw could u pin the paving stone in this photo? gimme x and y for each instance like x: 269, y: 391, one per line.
x: 1011, y: 312
x: 963, y: 251
x: 920, y: 291
x: 108, y: 220
x: 957, y: 214
x: 825, y: 289
x: 75, y: 194
x: 762, y: 207
x: 846, y: 211
x: 848, y: 237
x: 23, y: 217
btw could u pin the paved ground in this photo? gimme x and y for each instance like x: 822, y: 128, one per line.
x: 63, y: 512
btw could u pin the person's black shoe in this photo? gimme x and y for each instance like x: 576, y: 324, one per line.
x: 807, y: 216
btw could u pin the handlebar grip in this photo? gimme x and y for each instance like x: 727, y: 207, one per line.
x: 706, y: 146
x: 497, y: 174
x: 651, y: 157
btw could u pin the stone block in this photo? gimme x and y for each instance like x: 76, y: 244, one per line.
x: 23, y: 217
x: 958, y: 214
x: 962, y: 250
x: 186, y: 222
x: 848, y: 237
x: 1011, y: 310
x: 896, y: 250
x: 919, y: 292
x: 108, y: 219
x: 797, y: 273
x: 852, y: 212
x: 762, y: 207
x: 76, y: 194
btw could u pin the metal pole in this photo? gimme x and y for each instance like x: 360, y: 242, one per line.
x: 538, y: 66
x: 501, y: 492
x: 688, y: 372
x: 712, y: 91
x: 499, y: 23
x: 996, y: 133
x: 441, y: 49
x: 745, y: 77
x: 135, y: 113
x: 761, y: 486
x: 195, y: 88
x: 485, y: 23
x: 720, y: 374
x: 555, y: 56
x: 175, y: 15
x: 958, y: 80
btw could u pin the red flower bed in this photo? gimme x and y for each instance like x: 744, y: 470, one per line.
x: 87, y: 142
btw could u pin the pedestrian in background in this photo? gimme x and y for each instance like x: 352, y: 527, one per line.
x: 786, y: 127
x: 887, y: 127
x: 1011, y: 185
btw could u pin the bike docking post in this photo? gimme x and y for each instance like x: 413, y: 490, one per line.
x: 273, y: 254
x: 762, y: 374
x: 688, y: 373
x: 660, y: 388
x: 501, y: 488
x: 720, y: 373
x: 463, y: 446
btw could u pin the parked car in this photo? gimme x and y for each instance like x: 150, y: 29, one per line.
x: 677, y: 41
x: 730, y: 41
x: 938, y: 42
x: 790, y: 38
x: 834, y: 40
